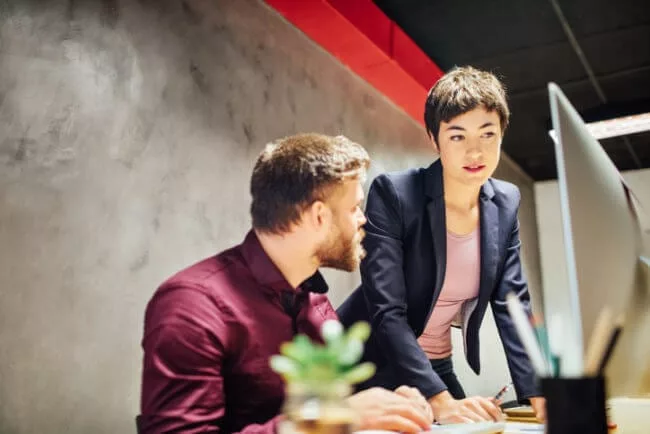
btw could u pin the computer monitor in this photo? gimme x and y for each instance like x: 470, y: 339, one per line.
x: 606, y: 258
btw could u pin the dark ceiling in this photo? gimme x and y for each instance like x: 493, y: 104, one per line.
x: 528, y: 43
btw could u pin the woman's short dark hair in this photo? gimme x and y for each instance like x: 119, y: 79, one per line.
x: 460, y: 90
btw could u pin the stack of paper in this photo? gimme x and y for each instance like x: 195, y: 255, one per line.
x: 523, y: 428
x: 478, y: 428
x: 489, y: 428
x: 470, y: 428
x: 520, y: 414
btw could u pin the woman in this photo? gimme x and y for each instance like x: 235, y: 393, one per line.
x: 442, y: 243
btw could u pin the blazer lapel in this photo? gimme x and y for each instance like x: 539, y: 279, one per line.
x: 489, y: 220
x: 436, y: 212
x: 436, y: 209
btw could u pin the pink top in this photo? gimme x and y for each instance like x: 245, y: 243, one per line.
x: 461, y: 284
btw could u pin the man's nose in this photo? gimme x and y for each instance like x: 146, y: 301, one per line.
x: 362, y: 219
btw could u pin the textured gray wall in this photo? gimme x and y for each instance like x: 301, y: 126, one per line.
x: 128, y: 130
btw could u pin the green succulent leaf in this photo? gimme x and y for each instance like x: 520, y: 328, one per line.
x: 324, y: 356
x: 331, y: 330
x: 285, y: 367
x: 294, y: 352
x: 359, y: 331
x: 302, y: 360
x: 300, y: 349
x: 321, y: 373
x: 359, y: 373
x: 351, y: 352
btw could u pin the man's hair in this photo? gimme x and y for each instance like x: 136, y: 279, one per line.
x: 460, y: 90
x: 292, y: 173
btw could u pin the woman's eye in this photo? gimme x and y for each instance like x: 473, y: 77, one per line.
x: 488, y: 135
x: 456, y: 138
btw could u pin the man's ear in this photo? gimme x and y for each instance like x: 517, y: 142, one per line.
x: 319, y: 215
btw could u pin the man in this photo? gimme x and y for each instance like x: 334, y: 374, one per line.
x: 210, y: 329
x: 443, y: 244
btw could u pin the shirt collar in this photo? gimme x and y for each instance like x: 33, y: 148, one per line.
x: 268, y: 275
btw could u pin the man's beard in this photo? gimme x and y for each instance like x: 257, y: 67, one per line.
x: 342, y: 253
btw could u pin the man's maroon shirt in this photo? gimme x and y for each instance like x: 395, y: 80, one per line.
x: 208, y: 335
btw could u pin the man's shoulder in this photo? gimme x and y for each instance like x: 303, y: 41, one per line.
x: 207, y: 282
x: 208, y: 272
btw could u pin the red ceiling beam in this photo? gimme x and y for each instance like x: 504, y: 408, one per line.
x: 362, y: 37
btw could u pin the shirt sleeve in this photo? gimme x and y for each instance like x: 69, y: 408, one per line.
x: 185, y: 341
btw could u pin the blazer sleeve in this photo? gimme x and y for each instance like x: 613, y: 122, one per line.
x: 384, y: 290
x: 512, y: 280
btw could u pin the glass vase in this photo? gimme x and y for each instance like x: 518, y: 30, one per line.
x: 317, y: 409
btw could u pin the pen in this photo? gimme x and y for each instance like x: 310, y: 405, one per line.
x: 502, y: 392
x: 618, y: 327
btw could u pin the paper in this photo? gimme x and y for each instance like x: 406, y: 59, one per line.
x: 470, y: 428
x: 489, y: 428
x: 523, y: 428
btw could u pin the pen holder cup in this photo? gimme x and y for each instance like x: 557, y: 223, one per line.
x: 575, y: 405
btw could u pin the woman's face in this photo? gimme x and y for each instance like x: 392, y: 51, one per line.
x: 470, y: 146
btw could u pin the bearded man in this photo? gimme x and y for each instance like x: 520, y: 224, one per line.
x: 210, y: 329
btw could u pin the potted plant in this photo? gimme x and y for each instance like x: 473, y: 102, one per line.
x: 319, y: 378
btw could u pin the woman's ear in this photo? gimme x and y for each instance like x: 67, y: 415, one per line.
x: 434, y: 144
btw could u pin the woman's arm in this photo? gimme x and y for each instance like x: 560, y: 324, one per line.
x: 384, y: 290
x: 513, y: 280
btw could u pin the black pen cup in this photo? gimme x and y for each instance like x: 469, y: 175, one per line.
x: 575, y: 405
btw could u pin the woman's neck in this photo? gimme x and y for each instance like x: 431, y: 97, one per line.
x: 460, y: 196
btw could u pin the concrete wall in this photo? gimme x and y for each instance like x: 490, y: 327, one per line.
x: 127, y: 134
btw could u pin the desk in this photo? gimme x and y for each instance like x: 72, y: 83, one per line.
x: 631, y: 415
